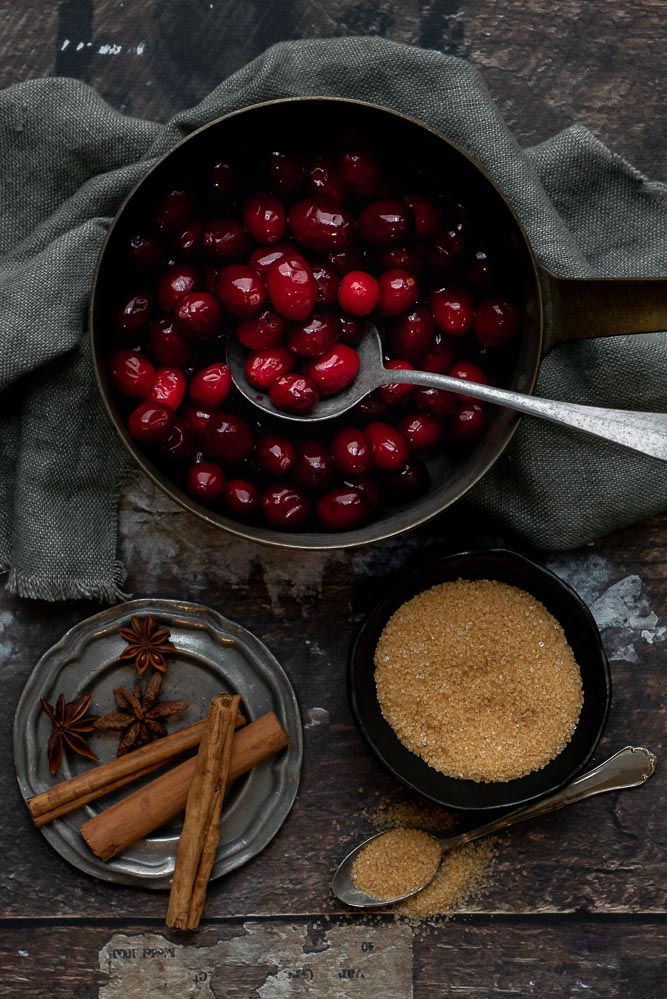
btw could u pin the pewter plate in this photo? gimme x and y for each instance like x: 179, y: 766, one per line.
x: 213, y: 654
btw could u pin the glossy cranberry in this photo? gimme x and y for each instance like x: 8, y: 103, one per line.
x: 327, y: 281
x: 241, y: 290
x: 386, y: 221
x: 342, y: 509
x: 291, y: 287
x: 373, y: 407
x: 370, y: 490
x: 444, y: 248
x: 224, y: 240
x: 388, y: 445
x: 335, y: 370
x: 286, y: 172
x: 351, y: 451
x: 435, y: 402
x: 131, y: 374
x: 241, y: 498
x: 398, y: 292
x: 211, y: 385
x: 223, y: 182
x: 179, y: 441
x: 358, y: 293
x: 467, y: 425
x: 440, y: 359
x: 174, y: 211
x: 260, y: 332
x: 205, y: 481
x: 262, y: 258
x: 188, y: 241
x: 323, y: 178
x: 145, y: 252
x: 453, y: 310
x: 395, y: 393
x: 274, y: 455
x: 313, y: 464
x: 133, y: 314
x: 426, y: 215
x: 196, y: 418
x: 167, y: 345
x: 285, y: 507
x: 361, y: 172
x: 177, y: 281
x: 228, y: 438
x: 149, y: 422
x: 481, y: 269
x: 406, y: 256
x: 422, y: 432
x: 169, y: 387
x: 264, y: 217
x: 408, y: 483
x: 315, y: 336
x: 469, y: 372
x: 413, y: 335
x: 198, y: 315
x: 262, y: 367
x: 350, y: 330
x: 322, y: 225
x: 294, y: 393
x: 496, y: 322
x: 351, y: 259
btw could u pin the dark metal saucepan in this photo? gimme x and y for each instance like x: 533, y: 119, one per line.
x: 555, y: 309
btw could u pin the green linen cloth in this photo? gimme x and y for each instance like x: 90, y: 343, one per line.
x: 67, y: 159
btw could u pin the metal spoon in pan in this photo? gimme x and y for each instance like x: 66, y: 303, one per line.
x: 644, y: 432
x: 630, y: 767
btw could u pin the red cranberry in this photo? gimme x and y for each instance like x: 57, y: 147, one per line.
x: 291, y: 287
x: 264, y: 217
x: 441, y: 358
x: 408, y: 483
x: 398, y: 292
x: 294, y: 394
x: 286, y: 173
x: 481, y: 269
x: 470, y: 372
x: 314, y: 337
x: 262, y: 258
x: 262, y: 367
x: 179, y: 441
x: 323, y: 178
x: 386, y: 221
x: 188, y: 241
x: 361, y: 172
x: 435, y: 402
x: 225, y: 239
x: 196, y: 418
x: 444, y: 248
x: 177, y: 281
x: 167, y: 345
x: 467, y: 425
x: 351, y: 259
x: 241, y: 498
x: 174, y: 211
x: 169, y: 387
x: 199, y: 315
x: 285, y: 507
x: 342, y: 509
x: 351, y: 451
x: 395, y: 393
x: 406, y: 256
x: 211, y: 385
x: 274, y: 454
x: 412, y: 336
x: 223, y: 182
x: 145, y: 252
x: 327, y: 282
x: 358, y: 293
x: 373, y: 407
x: 149, y: 422
x: 452, y: 309
x: 229, y: 438
x: 496, y: 322
x: 241, y: 290
x: 322, y: 225
x: 130, y: 373
x: 350, y: 330
x: 205, y: 481
x: 133, y: 313
x: 389, y: 446
x: 335, y: 370
x: 423, y: 432
x: 426, y: 215
x: 370, y: 490
x: 313, y: 464
x: 262, y: 331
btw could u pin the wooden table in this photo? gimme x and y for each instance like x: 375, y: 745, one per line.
x: 577, y: 901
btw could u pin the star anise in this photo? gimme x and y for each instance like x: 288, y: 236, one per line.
x: 149, y: 644
x: 139, y: 717
x: 69, y: 721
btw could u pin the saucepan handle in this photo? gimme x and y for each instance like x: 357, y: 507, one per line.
x: 580, y: 308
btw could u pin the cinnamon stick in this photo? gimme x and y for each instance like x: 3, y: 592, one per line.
x: 78, y: 791
x: 161, y: 801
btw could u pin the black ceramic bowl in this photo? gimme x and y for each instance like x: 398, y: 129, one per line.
x: 582, y: 634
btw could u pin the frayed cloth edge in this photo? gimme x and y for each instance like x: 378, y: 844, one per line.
x: 40, y: 588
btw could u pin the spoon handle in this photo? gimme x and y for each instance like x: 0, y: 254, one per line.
x: 630, y: 767
x: 644, y: 432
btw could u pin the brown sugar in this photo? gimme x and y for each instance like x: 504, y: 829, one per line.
x: 396, y: 863
x: 477, y: 678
